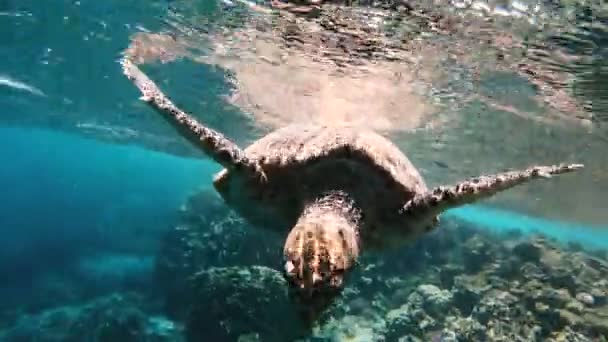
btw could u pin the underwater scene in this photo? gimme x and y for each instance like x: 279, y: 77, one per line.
x: 304, y: 170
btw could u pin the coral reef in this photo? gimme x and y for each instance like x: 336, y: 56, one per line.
x: 234, y: 301
x: 218, y: 279
x: 457, y: 284
x: 117, y: 317
x: 208, y: 234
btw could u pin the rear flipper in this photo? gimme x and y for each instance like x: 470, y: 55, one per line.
x: 211, y: 142
x: 442, y: 198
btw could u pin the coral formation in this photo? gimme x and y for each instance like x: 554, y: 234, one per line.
x: 457, y: 284
x: 216, y: 281
x: 117, y: 317
x: 208, y: 234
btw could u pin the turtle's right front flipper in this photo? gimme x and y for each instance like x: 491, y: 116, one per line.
x: 211, y: 142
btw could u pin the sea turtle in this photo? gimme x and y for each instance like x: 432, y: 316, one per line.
x: 333, y: 191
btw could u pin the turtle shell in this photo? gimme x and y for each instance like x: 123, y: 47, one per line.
x: 302, y: 162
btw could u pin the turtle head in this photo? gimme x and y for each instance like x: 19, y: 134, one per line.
x: 320, y: 249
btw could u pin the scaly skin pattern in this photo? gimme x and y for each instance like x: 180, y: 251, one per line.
x: 324, y: 243
x: 211, y: 142
x: 303, y: 162
x: 442, y: 198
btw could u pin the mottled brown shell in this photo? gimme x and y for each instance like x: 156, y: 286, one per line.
x: 272, y: 181
x: 301, y: 162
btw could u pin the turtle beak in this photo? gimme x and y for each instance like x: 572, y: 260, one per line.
x: 303, y: 278
x: 289, y: 267
x: 316, y: 278
x: 292, y: 274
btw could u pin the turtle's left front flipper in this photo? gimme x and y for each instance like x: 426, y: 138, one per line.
x: 212, y: 143
x: 442, y: 198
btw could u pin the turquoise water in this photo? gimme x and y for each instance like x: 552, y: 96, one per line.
x: 120, y: 198
x: 94, y: 213
x: 94, y: 183
x: 593, y: 237
x: 73, y: 204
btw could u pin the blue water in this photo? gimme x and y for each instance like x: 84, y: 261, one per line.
x: 66, y: 197
x: 503, y: 221
x: 87, y: 216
